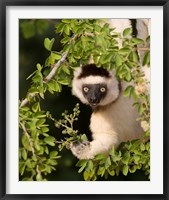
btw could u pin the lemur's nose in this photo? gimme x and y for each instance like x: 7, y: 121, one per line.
x: 94, y: 100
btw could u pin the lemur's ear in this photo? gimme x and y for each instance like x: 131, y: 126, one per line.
x: 77, y: 72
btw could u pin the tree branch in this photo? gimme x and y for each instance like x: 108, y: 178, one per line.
x: 51, y: 74
x: 25, y: 101
x: 47, y: 78
x: 55, y: 68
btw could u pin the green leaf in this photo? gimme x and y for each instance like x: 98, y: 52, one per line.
x: 66, y: 29
x: 101, y: 171
x: 25, y: 143
x: 52, y: 85
x: 146, y: 59
x: 124, y: 51
x: 137, y: 41
x: 118, y: 60
x: 37, y: 146
x: 24, y: 154
x: 41, y: 151
x: 100, y: 41
x: 100, y: 157
x: 79, y: 31
x: 59, y: 27
x: 48, y: 43
x: 53, y: 154
x: 48, y: 169
x: 148, y: 39
x: 136, y: 158
x: 112, y: 172
x: 55, y: 55
x: 40, y: 122
x: 37, y: 79
x: 86, y: 175
x: 27, y: 179
x: 67, y: 21
x: 65, y: 40
x: 105, y: 58
x: 133, y: 169
x: 107, y: 162
x: 36, y: 107
x: 50, y: 140
x: 117, y: 170
x: 127, y: 32
x: 89, y: 166
x: 51, y: 162
x: 45, y: 129
x: 66, y: 69
x: 22, y: 168
x: 126, y: 157
x: 46, y: 150
x: 142, y: 147
x: 125, y: 170
x: 84, y: 137
x: 141, y: 109
x: 33, y: 90
x: 63, y: 81
x: 135, y: 105
x: 34, y: 158
x: 39, y: 67
x: 58, y: 87
x: 25, y: 108
x: 81, y: 163
x: 39, y: 177
x: 128, y: 76
x: 82, y: 167
x: 148, y: 146
x: 134, y: 56
x: 127, y: 91
x: 135, y: 145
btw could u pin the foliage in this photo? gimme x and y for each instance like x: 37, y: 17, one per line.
x: 82, y: 41
x: 67, y: 128
x: 130, y: 157
x: 31, y: 27
x: 35, y: 156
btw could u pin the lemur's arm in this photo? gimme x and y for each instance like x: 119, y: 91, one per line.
x: 88, y: 150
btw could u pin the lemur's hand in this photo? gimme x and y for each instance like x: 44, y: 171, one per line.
x: 81, y: 149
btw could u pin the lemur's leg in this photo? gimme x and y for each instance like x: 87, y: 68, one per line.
x: 87, y: 150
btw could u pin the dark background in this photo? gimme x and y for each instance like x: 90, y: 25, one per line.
x: 31, y: 52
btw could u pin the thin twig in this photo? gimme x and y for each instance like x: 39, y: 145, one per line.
x: 29, y: 138
x: 143, y: 48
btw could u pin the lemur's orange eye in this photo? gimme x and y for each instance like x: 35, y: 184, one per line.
x: 85, y: 89
x: 103, y: 89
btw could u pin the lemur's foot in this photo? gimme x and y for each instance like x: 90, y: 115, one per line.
x: 81, y: 149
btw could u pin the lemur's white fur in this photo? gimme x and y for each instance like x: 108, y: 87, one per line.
x: 115, y: 121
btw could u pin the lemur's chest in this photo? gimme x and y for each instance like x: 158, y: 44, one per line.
x: 118, y: 119
x: 105, y: 121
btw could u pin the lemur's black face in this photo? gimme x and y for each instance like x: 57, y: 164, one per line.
x: 94, y: 93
